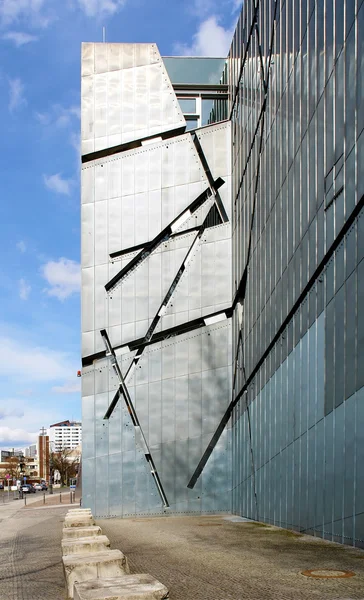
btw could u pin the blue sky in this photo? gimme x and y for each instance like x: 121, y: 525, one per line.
x: 39, y: 209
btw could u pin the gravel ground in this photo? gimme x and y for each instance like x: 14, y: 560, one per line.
x: 210, y: 558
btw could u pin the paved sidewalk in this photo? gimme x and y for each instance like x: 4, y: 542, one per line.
x: 210, y: 558
x: 30, y: 552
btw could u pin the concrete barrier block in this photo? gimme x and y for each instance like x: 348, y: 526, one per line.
x: 80, y: 532
x: 78, y: 521
x: 132, y: 587
x: 96, y: 543
x: 84, y: 567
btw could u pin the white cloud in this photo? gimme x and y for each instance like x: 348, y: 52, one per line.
x: 16, y: 95
x: 211, y: 39
x: 16, y: 437
x: 21, y: 246
x: 19, y: 38
x: 57, y: 184
x: 94, y: 8
x: 19, y: 359
x: 69, y: 387
x: 31, y: 11
x: 63, y: 276
x: 24, y: 289
x: 14, y: 412
x: 58, y: 116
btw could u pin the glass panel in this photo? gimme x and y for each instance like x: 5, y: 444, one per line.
x: 206, y: 111
x: 191, y: 124
x: 188, y: 105
x: 194, y: 69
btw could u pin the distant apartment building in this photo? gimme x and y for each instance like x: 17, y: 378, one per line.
x: 31, y: 451
x: 65, y: 435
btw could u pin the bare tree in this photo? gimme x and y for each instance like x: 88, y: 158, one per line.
x: 14, y: 466
x: 65, y: 463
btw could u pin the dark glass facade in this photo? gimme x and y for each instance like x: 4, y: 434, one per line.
x: 295, y: 75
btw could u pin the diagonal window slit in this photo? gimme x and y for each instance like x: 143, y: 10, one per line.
x: 164, y: 235
x: 139, y: 435
x: 165, y: 334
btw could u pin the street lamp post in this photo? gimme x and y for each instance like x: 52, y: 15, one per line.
x: 50, y: 487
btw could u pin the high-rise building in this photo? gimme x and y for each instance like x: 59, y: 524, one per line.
x: 223, y: 274
x: 31, y: 451
x: 65, y: 435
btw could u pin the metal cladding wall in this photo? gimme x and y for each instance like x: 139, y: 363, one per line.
x: 156, y: 288
x: 297, y: 109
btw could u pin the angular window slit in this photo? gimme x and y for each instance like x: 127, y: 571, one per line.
x: 160, y: 238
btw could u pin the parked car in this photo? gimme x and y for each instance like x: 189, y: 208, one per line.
x: 1, y: 486
x: 41, y: 487
x: 28, y: 488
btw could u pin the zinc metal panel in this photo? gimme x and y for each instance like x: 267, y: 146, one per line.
x: 142, y: 484
x: 101, y: 233
x: 128, y: 482
x: 114, y: 225
x: 88, y: 486
x: 102, y: 377
x: 87, y: 286
x: 339, y: 465
x: 155, y: 413
x: 349, y: 457
x: 101, y: 474
x: 359, y: 479
x: 87, y: 114
x: 181, y: 400
x: 115, y: 478
x: 216, y: 144
x: 100, y: 297
x: 167, y: 471
x: 329, y: 473
x: 87, y: 185
x: 168, y: 411
x: 168, y: 361
x: 194, y: 406
x: 101, y: 426
x: 88, y: 59
x: 87, y: 235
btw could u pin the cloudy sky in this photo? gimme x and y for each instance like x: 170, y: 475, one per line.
x: 39, y: 208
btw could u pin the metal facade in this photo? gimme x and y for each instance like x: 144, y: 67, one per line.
x: 296, y: 90
x: 156, y: 282
x: 233, y: 266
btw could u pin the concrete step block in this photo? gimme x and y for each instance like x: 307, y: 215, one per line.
x: 80, y: 532
x: 96, y: 543
x: 131, y: 587
x: 83, y: 567
x: 78, y: 521
x: 79, y: 511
